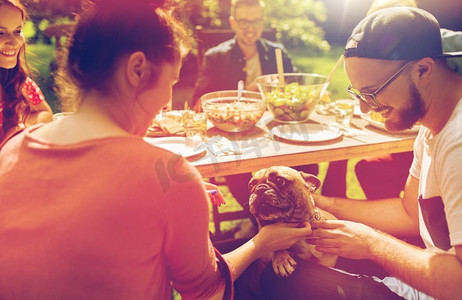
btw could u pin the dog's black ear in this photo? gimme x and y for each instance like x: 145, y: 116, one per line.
x: 313, y: 182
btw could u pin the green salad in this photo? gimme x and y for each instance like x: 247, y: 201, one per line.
x: 293, y: 102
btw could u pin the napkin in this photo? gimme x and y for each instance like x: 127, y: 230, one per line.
x: 167, y: 124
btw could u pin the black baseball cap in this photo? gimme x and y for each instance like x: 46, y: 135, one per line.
x: 397, y: 33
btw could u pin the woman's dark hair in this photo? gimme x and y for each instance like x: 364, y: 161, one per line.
x: 110, y: 30
x: 15, y: 105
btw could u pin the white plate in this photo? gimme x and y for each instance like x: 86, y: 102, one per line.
x: 177, y: 144
x: 381, y: 125
x: 305, y: 132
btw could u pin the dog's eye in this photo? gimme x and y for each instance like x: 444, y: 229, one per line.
x: 280, y: 181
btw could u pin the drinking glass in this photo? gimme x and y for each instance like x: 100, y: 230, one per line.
x: 195, y: 126
x: 61, y: 115
x: 343, y: 110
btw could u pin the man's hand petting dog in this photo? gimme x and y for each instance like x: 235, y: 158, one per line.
x: 283, y: 194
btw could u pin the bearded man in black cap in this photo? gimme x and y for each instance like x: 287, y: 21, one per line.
x: 396, y: 66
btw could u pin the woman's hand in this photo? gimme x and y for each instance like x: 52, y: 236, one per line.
x: 39, y: 113
x: 216, y: 197
x: 343, y: 238
x: 280, y: 236
x: 270, y: 238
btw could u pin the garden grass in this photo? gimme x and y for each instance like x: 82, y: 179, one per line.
x: 323, y: 65
x: 39, y: 57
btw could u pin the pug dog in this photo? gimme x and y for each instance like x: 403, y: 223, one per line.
x: 283, y: 194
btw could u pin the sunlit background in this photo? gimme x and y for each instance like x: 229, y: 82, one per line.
x: 313, y: 31
x: 343, y: 15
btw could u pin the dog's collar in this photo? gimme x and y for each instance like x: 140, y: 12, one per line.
x: 316, y: 216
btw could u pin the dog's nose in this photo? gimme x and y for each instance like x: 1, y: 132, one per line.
x: 261, y: 188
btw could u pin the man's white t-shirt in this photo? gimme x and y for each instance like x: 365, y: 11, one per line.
x: 253, y: 69
x: 438, y: 166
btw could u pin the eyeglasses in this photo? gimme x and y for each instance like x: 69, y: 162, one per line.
x: 370, y: 99
x: 245, y: 23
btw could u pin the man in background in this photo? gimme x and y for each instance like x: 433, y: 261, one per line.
x: 245, y: 57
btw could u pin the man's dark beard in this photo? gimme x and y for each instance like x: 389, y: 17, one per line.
x: 409, y: 115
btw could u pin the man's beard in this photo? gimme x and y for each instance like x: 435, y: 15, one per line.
x: 409, y: 115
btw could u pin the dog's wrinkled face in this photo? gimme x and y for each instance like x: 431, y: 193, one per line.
x: 282, y: 194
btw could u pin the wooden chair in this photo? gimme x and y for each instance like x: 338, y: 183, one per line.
x: 208, y: 38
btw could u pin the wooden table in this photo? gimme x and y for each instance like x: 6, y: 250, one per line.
x: 261, y: 150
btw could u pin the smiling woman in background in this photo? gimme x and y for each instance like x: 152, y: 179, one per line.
x: 21, y: 101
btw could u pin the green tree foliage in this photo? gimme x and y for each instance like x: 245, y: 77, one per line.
x: 44, y: 12
x: 297, y: 21
x: 199, y: 12
x: 52, y: 9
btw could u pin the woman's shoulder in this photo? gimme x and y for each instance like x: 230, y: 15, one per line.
x: 172, y: 172
x: 144, y: 153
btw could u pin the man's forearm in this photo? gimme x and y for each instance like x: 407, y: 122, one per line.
x: 387, y: 215
x: 438, y: 275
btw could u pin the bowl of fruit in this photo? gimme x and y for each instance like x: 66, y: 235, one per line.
x: 292, y: 97
x: 231, y: 112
